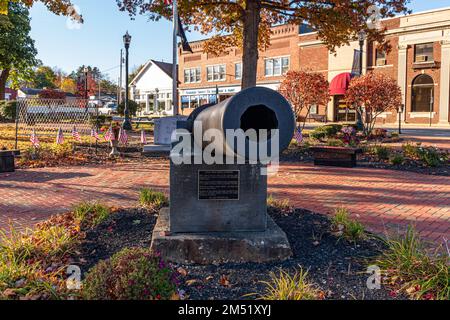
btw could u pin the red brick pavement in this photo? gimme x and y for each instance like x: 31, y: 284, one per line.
x: 381, y: 199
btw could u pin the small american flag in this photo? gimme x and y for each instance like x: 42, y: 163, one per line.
x: 34, y: 140
x: 60, y: 137
x: 94, y: 134
x: 123, y: 137
x: 109, y: 135
x: 298, y: 135
x: 75, y: 134
x: 143, y: 137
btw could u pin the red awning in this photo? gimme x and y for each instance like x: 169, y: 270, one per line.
x: 339, y: 84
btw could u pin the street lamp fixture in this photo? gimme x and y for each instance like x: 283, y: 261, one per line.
x: 126, y: 121
x: 86, y: 71
x: 361, y: 39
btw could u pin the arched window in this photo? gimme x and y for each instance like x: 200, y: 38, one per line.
x: 422, y: 93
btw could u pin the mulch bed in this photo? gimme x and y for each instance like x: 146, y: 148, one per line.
x: 365, y: 160
x: 335, y: 265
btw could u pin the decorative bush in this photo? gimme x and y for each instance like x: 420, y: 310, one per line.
x: 381, y: 152
x: 332, y: 142
x: 282, y: 205
x: 8, y: 110
x: 153, y: 199
x: 133, y: 107
x: 379, y: 134
x: 326, y: 131
x: 430, y: 156
x: 397, y: 159
x: 132, y: 274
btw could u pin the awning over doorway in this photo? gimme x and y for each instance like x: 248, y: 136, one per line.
x: 339, y: 84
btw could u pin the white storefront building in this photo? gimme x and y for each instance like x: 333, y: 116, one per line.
x: 152, y: 89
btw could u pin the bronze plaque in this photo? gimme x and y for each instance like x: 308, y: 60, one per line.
x: 218, y: 184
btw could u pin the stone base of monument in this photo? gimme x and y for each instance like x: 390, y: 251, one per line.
x: 220, y: 247
x: 156, y: 150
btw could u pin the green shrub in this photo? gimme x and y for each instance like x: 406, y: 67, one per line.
x: 430, y: 156
x: 8, y: 110
x: 381, y: 152
x: 397, y: 159
x: 153, y: 199
x: 133, y: 107
x: 91, y: 214
x: 344, y: 226
x: 286, y: 287
x: 326, y: 131
x: 131, y: 274
x: 332, y: 142
x: 408, y: 265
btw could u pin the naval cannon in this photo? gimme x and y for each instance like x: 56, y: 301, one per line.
x: 218, y: 210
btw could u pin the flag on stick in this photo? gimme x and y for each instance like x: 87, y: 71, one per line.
x: 94, y: 134
x: 143, y: 137
x: 298, y: 135
x: 34, y: 139
x: 76, y: 135
x: 109, y: 135
x: 123, y: 137
x: 60, y: 137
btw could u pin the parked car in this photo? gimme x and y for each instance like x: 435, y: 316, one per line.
x: 108, y: 109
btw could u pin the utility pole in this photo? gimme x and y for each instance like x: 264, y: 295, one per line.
x: 120, y: 78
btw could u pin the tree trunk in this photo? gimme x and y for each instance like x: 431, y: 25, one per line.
x: 3, y: 78
x: 251, y: 22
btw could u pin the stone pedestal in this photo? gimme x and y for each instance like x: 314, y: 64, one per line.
x: 220, y: 247
x: 163, y: 130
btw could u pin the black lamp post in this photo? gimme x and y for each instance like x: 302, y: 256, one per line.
x: 86, y: 71
x: 126, y: 121
x: 361, y: 38
x: 400, y: 111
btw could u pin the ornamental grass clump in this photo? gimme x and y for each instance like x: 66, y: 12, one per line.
x: 131, y: 274
x: 91, y: 214
x: 152, y: 199
x: 279, y: 204
x: 344, y: 226
x: 410, y: 269
x: 283, y: 286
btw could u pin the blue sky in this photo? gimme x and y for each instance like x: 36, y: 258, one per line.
x: 99, y: 40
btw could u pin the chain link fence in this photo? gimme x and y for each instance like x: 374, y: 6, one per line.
x: 46, y: 116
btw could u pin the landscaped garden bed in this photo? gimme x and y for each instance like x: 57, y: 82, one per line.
x: 331, y: 257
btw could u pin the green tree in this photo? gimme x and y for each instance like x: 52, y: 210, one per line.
x: 44, y: 77
x: 17, y: 51
x: 246, y: 23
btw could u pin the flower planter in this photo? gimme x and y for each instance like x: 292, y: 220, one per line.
x: 335, y: 156
x: 7, y: 160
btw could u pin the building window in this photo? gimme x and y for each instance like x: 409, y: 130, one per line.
x: 216, y: 73
x: 422, y: 94
x: 276, y: 66
x: 238, y: 71
x: 192, y: 75
x: 313, y: 109
x: 423, y: 52
x: 380, y: 57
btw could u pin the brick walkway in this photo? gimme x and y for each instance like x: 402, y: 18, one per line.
x: 379, y: 198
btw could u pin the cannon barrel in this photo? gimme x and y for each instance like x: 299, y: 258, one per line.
x: 253, y: 108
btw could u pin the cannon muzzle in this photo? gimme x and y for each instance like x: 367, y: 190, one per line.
x: 257, y: 108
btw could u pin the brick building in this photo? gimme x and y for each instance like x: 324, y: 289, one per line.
x: 419, y: 61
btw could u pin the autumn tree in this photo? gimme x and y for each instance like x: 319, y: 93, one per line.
x: 68, y: 85
x: 246, y: 23
x: 373, y: 94
x: 17, y: 51
x: 91, y: 85
x: 303, y: 90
